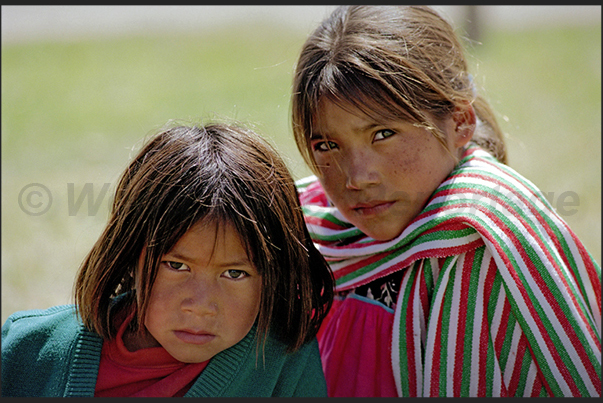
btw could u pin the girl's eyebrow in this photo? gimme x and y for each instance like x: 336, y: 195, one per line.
x: 367, y: 127
x: 236, y: 263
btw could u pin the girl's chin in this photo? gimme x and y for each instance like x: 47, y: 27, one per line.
x: 382, y: 232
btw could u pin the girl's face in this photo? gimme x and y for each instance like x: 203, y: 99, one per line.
x: 379, y: 174
x: 206, y: 296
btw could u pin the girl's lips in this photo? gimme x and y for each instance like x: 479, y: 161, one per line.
x: 372, y: 207
x: 192, y: 337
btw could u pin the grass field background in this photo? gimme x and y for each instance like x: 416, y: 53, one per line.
x: 73, y: 113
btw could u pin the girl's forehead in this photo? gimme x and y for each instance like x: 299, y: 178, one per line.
x: 211, y: 238
x: 367, y: 111
x: 217, y: 227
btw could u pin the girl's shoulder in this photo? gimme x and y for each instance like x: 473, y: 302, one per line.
x: 38, y: 347
x: 35, y: 328
x: 50, y: 317
x: 33, y: 313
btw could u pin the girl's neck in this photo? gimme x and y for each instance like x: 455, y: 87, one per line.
x: 135, y: 339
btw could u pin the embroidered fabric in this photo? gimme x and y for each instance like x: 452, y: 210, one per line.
x: 383, y: 290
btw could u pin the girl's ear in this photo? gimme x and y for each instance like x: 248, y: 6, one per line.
x: 464, y: 123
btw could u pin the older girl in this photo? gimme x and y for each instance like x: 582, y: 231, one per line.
x: 204, y: 283
x: 454, y: 275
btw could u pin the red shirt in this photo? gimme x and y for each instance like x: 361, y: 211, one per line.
x: 148, y: 372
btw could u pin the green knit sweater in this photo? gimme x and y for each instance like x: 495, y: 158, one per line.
x: 50, y: 353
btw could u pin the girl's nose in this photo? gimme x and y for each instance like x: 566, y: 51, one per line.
x: 361, y: 170
x: 200, y: 298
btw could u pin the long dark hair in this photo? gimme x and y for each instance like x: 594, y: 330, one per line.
x: 219, y: 172
x: 394, y: 62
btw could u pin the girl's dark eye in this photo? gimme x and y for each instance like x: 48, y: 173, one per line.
x: 235, y: 274
x: 177, y: 265
x: 324, y: 146
x: 383, y: 134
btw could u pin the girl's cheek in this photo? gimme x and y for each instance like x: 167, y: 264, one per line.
x: 322, y: 161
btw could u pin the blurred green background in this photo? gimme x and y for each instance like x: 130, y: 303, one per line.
x: 75, y: 111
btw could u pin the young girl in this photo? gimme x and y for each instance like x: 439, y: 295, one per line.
x: 205, y: 282
x: 454, y: 275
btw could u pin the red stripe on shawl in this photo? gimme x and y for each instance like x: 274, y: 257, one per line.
x: 437, y: 351
x: 484, y: 332
x: 447, y: 226
x: 354, y: 246
x: 551, y: 299
x: 364, y: 244
x: 502, y: 328
x: 313, y: 194
x: 590, y: 270
x: 322, y: 222
x: 362, y: 263
x: 462, y: 325
x: 324, y: 243
x: 331, y: 225
x: 516, y: 375
x: 423, y: 294
x: 540, y: 374
x: 410, y: 340
x: 537, y: 387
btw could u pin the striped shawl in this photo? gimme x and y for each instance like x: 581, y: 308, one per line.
x: 498, y: 296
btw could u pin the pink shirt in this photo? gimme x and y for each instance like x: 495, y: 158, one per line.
x: 355, y: 347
